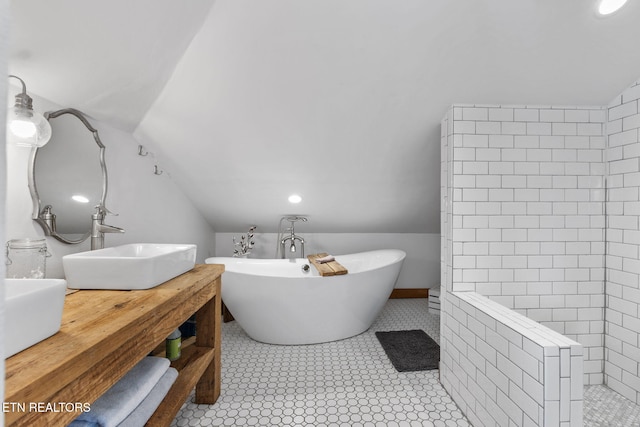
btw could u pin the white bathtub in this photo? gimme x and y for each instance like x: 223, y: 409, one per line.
x: 275, y: 302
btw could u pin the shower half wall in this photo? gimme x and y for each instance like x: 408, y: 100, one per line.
x: 527, y: 222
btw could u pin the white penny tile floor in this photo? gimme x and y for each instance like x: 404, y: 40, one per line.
x: 343, y: 383
x: 605, y: 407
x: 350, y: 383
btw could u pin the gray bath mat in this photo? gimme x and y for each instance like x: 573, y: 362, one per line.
x: 412, y: 350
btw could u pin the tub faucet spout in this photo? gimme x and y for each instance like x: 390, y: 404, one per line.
x: 292, y: 244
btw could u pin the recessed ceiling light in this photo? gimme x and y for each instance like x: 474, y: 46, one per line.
x: 79, y: 198
x: 294, y: 198
x: 607, y: 7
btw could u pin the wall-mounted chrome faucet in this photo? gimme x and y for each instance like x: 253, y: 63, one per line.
x: 292, y: 238
x: 98, y: 228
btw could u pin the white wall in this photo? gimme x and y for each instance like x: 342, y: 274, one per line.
x: 421, y: 267
x: 4, y: 37
x: 622, y: 339
x: 151, y: 208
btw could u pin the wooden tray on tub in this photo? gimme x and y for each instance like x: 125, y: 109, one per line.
x: 331, y: 268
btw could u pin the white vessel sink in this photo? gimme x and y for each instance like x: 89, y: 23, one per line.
x: 33, y: 311
x: 133, y: 266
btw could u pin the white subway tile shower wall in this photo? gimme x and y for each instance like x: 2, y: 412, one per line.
x: 523, y: 223
x: 622, y: 326
x: 528, y: 215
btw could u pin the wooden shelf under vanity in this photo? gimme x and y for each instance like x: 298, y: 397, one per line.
x: 104, y: 334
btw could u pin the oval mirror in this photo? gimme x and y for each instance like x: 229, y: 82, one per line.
x: 68, y: 177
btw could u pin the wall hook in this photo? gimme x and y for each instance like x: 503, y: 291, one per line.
x: 142, y: 151
x: 156, y: 170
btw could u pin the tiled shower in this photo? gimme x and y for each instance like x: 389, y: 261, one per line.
x: 540, y: 213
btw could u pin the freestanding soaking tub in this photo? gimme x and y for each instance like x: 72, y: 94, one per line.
x: 276, y: 302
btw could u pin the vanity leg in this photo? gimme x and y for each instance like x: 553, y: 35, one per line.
x: 208, y: 334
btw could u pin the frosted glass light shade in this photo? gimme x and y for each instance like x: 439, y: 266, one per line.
x: 26, y: 128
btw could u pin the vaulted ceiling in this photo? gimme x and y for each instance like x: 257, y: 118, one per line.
x: 246, y: 102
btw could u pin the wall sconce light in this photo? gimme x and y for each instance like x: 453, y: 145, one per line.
x: 25, y: 127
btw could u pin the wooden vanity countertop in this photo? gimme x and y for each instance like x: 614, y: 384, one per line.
x: 103, y: 335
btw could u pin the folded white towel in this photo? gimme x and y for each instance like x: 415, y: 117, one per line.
x: 325, y: 259
x: 124, y: 396
x: 143, y: 412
